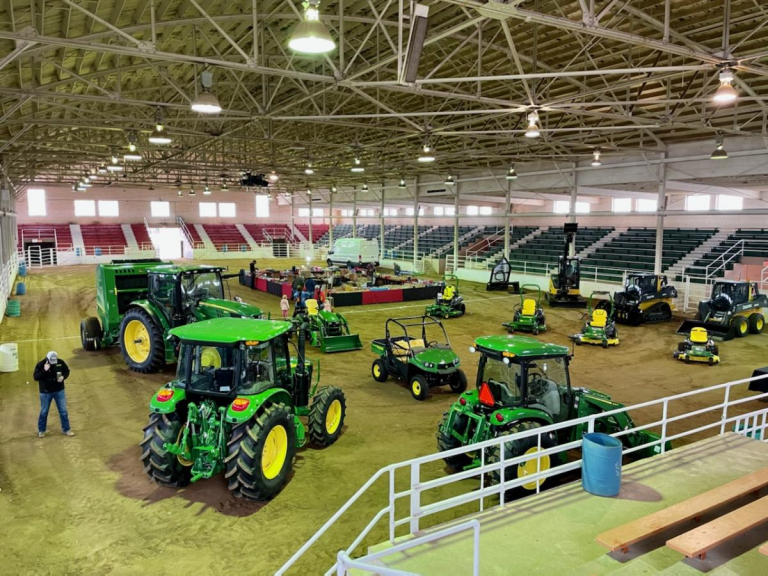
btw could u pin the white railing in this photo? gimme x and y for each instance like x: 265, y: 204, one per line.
x: 671, y: 424
x: 485, y: 243
x: 187, y: 234
x: 7, y: 277
x: 764, y: 278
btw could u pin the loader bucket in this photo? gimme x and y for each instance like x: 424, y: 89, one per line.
x: 716, y: 330
x: 329, y: 344
x: 566, y: 302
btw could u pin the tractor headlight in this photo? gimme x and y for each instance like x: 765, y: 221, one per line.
x: 429, y: 364
x: 455, y: 361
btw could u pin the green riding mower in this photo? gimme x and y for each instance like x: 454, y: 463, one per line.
x: 139, y: 302
x: 599, y: 328
x: 422, y: 357
x: 523, y: 384
x: 528, y: 315
x: 235, y: 407
x: 646, y: 298
x: 328, y: 331
x: 733, y: 310
x: 448, y: 302
x: 697, y: 347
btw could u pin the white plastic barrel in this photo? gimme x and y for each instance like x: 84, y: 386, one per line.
x: 9, y: 357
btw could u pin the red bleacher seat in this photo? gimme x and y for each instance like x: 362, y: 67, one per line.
x: 60, y: 233
x: 317, y: 230
x: 142, y: 236
x: 259, y: 231
x: 226, y: 237
x: 107, y: 238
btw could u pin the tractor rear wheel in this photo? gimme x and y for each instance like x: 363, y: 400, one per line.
x: 459, y: 384
x: 756, y: 323
x: 90, y: 333
x: 163, y: 468
x: 741, y: 326
x: 326, y: 416
x: 141, y: 342
x: 419, y: 387
x: 448, y: 442
x: 379, y: 370
x: 515, y: 448
x: 462, y: 309
x: 260, y: 454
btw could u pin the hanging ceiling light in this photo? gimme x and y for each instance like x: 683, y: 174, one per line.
x: 449, y: 181
x: 179, y: 192
x: 309, y: 191
x: 596, y: 158
x: 159, y: 136
x: 310, y: 35
x: 273, y: 177
x: 719, y: 153
x: 309, y: 170
x: 131, y: 141
x: 365, y: 187
x: 533, y: 127
x: 102, y: 168
x: 401, y: 184
x: 114, y: 166
x: 224, y: 187
x: 81, y: 188
x: 191, y: 191
x: 511, y: 174
x: 206, y: 190
x: 427, y: 155
x: 725, y: 92
x: 206, y: 102
x: 357, y: 166
x: 334, y: 189
x: 131, y: 157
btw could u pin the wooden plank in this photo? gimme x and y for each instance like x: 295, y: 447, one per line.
x: 764, y: 549
x: 621, y: 537
x: 698, y: 541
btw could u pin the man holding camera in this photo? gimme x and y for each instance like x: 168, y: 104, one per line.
x: 50, y: 374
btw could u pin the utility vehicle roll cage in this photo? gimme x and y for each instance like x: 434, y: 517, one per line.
x: 422, y: 321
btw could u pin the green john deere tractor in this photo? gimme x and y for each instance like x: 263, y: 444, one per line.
x: 235, y: 407
x: 448, y: 302
x: 138, y: 303
x: 423, y: 358
x: 328, y: 331
x: 599, y: 326
x: 522, y: 384
x: 528, y: 315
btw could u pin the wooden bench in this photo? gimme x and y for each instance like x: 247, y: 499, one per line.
x: 764, y: 549
x: 696, y: 542
x: 622, y: 537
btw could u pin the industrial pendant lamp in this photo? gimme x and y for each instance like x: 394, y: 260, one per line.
x: 206, y: 102
x: 401, y: 184
x: 511, y: 174
x: 596, y: 158
x: 114, y: 166
x: 159, y: 136
x: 533, y: 127
x: 311, y: 36
x: 449, y: 181
x: 334, y: 189
x: 191, y: 191
x: 365, y: 187
x: 426, y: 153
x: 725, y: 93
x: 309, y: 170
x: 206, y: 190
x: 719, y: 153
x: 357, y: 166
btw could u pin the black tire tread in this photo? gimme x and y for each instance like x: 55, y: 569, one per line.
x: 445, y: 442
x: 162, y: 467
x: 316, y: 422
x: 157, y: 351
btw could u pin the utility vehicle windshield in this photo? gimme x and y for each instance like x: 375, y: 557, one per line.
x: 201, y: 285
x: 738, y: 292
x: 212, y: 369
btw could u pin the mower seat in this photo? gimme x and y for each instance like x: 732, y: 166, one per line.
x: 312, y: 308
x: 599, y: 318
x: 699, y: 335
x: 529, y: 307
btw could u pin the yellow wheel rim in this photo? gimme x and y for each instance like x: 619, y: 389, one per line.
x: 183, y: 461
x: 137, y: 342
x: 743, y: 327
x: 416, y: 387
x: 529, y: 467
x: 376, y: 370
x: 210, y: 358
x: 274, y: 453
x: 759, y: 324
x: 333, y: 417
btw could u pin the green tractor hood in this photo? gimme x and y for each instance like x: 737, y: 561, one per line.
x: 437, y: 360
x: 217, y: 308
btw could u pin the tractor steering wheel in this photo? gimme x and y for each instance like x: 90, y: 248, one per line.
x: 435, y: 342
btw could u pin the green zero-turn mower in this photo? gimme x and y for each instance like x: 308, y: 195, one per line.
x: 528, y: 315
x: 235, y: 407
x: 422, y: 357
x: 522, y: 384
x: 599, y: 327
x: 139, y: 302
x: 646, y: 298
x: 328, y: 331
x: 698, y: 347
x: 735, y: 308
x: 448, y: 302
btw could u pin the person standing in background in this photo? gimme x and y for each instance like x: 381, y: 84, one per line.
x: 285, y: 306
x: 50, y: 374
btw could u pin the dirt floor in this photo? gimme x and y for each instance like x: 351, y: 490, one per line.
x: 83, y: 504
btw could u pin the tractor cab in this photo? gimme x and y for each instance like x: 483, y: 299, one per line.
x: 726, y: 294
x: 642, y: 284
x: 646, y: 298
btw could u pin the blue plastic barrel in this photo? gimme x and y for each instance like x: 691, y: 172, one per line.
x: 601, y: 464
x: 97, y: 251
x: 77, y: 251
x: 21, y: 289
x: 22, y: 269
x: 225, y: 248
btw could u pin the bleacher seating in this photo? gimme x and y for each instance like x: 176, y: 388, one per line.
x: 59, y: 233
x: 226, y: 238
x: 755, y: 245
x: 369, y: 231
x: 318, y: 230
x: 403, y: 239
x: 196, y: 239
x: 547, y: 247
x: 264, y: 232
x: 142, y: 236
x: 339, y: 231
x: 492, y: 249
x: 103, y: 239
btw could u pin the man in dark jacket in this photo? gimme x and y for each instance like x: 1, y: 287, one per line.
x: 50, y: 374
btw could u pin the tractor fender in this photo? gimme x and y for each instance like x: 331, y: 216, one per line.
x: 255, y: 403
x: 167, y: 406
x: 511, y: 416
x: 153, y: 312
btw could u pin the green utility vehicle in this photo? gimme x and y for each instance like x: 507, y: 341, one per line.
x: 599, y: 327
x: 235, y: 407
x: 448, y: 302
x: 423, y: 358
x: 139, y: 302
x: 528, y: 315
x: 522, y: 384
x: 328, y: 331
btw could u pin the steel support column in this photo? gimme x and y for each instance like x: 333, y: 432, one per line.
x: 507, y: 219
x: 658, y: 261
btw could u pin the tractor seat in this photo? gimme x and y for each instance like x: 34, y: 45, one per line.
x: 311, y: 305
x: 599, y: 318
x: 529, y: 307
x: 402, y: 347
x: 699, y: 336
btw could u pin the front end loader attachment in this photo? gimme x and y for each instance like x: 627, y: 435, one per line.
x: 329, y: 344
x: 569, y: 301
x: 716, y: 330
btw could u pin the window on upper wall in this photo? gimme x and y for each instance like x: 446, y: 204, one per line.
x: 410, y: 211
x: 450, y: 210
x: 36, y: 202
x: 622, y: 205
x: 561, y: 206
x: 697, y: 202
x: 438, y: 210
x: 728, y: 202
x: 318, y: 212
x: 645, y: 205
x: 207, y: 209
x: 262, y: 206
x: 227, y: 210
x: 109, y: 208
x: 486, y: 210
x: 85, y: 208
x: 303, y: 212
x: 473, y: 210
x: 582, y: 207
x: 390, y: 211
x: 346, y: 213
x: 160, y: 209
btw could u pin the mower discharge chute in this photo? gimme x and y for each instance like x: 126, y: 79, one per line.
x: 697, y: 347
x: 329, y: 331
x: 599, y: 328
x: 646, y: 298
x: 528, y: 315
x: 448, y: 302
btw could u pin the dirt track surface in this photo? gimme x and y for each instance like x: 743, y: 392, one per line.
x: 83, y: 504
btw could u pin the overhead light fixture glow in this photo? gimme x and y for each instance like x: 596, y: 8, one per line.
x: 206, y: 190
x: 365, y: 188
x: 725, y: 92
x: 81, y: 188
x: 533, y: 127
x: 511, y: 174
x: 357, y: 166
x: 426, y: 154
x: 114, y: 167
x: 206, y: 102
x: 449, y: 181
x: 334, y: 189
x: 159, y: 136
x: 309, y: 170
x: 102, y: 169
x: 310, y: 35
x: 191, y: 191
x: 224, y: 187
x: 130, y: 157
x: 180, y: 192
x: 274, y: 177
x: 309, y: 192
x: 719, y: 152
x: 401, y: 184
x: 596, y: 158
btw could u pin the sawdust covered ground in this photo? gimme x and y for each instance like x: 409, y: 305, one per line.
x: 83, y: 504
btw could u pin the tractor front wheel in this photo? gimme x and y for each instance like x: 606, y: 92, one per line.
x: 462, y: 309
x: 260, y: 454
x: 515, y: 448
x: 419, y: 387
x: 445, y: 441
x: 141, y: 342
x: 756, y: 323
x: 90, y: 333
x: 379, y: 370
x: 326, y: 416
x: 161, y: 466
x: 459, y: 383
